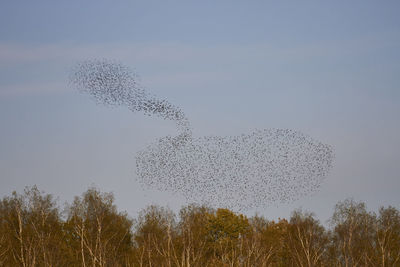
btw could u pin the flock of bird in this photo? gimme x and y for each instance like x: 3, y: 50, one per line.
x: 237, y: 172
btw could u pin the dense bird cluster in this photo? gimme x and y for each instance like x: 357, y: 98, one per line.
x: 238, y: 172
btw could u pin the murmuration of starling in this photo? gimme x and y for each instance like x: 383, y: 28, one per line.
x: 113, y: 84
x: 237, y: 172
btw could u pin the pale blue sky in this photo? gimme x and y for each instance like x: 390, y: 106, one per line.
x: 329, y: 69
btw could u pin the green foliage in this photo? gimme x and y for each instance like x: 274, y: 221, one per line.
x: 225, y: 225
x: 95, y: 233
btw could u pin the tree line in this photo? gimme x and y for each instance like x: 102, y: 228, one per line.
x: 90, y: 231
